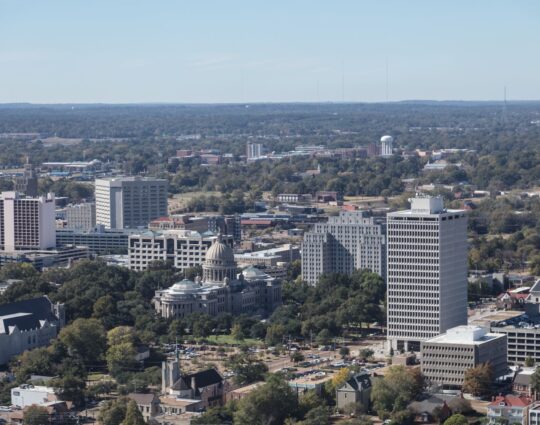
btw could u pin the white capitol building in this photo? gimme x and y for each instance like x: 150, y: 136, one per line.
x: 221, y: 290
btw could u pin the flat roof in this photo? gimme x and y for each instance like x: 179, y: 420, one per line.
x: 445, y: 339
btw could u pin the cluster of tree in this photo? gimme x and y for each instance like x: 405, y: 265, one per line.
x: 325, y: 311
x: 121, y: 411
x: 478, y: 380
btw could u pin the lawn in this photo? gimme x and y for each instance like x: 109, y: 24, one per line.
x: 228, y: 339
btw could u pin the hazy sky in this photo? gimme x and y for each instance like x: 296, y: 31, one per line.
x: 267, y: 50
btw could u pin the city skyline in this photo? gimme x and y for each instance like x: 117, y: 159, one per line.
x: 183, y: 52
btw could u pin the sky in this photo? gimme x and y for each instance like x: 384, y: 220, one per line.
x: 203, y: 51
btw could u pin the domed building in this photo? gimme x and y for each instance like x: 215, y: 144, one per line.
x: 221, y: 290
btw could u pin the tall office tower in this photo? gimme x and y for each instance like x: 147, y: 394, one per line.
x: 26, y: 223
x: 128, y: 202
x: 81, y: 216
x: 28, y: 182
x: 254, y: 150
x: 386, y: 145
x: 427, y: 272
x: 351, y: 241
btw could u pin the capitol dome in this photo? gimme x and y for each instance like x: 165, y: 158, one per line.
x: 219, y: 253
x: 219, y: 263
x: 185, y: 286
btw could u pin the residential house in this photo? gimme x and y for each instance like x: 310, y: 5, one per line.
x: 522, y: 383
x: 433, y: 409
x: 148, y: 404
x: 357, y: 390
x: 508, y: 409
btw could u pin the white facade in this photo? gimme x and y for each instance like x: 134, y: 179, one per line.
x: 27, y: 223
x: 130, y: 202
x: 81, y: 216
x: 386, y: 145
x: 184, y: 248
x: 426, y: 272
x: 254, y: 150
x: 349, y: 242
x: 27, y: 395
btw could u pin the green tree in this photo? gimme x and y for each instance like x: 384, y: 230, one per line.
x: 319, y: 415
x: 456, y: 419
x: 396, y: 390
x: 85, y: 338
x: 36, y: 415
x: 247, y: 369
x: 269, y: 404
x: 529, y: 361
x: 113, y: 412
x: 133, y: 415
x: 237, y: 333
x: 478, y: 380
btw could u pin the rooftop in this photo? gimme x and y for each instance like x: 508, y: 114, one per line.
x: 468, y: 334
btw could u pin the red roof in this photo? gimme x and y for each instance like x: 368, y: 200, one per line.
x: 511, y: 401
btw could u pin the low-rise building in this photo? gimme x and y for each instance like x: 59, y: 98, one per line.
x: 41, y: 259
x: 26, y: 395
x: 189, y: 392
x: 509, y: 409
x: 522, y: 382
x: 356, y: 390
x: 446, y: 357
x: 148, y: 404
x: 28, y: 324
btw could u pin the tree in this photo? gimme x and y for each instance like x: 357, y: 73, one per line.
x: 396, y: 390
x: 36, y: 415
x: 247, y: 369
x: 269, y: 404
x: 237, y: 333
x: 297, y: 357
x: 366, y: 353
x: 133, y: 415
x: 86, y: 338
x: 402, y: 417
x: 113, y: 412
x: 362, y: 420
x: 529, y: 361
x: 456, y: 419
x: 317, y: 416
x: 535, y: 381
x: 478, y: 380
x: 460, y: 405
x: 344, y: 352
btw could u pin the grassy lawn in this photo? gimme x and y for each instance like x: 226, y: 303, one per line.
x: 228, y: 339
x: 93, y: 377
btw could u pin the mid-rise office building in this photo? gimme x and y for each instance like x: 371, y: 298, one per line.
x: 446, y: 357
x: 130, y: 202
x: 26, y: 223
x: 99, y: 240
x: 183, y: 248
x: 351, y: 241
x: 80, y: 216
x: 426, y: 272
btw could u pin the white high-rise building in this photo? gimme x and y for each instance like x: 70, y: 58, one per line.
x: 426, y: 272
x: 386, y: 145
x: 81, y: 216
x: 351, y: 241
x: 254, y: 150
x: 27, y: 223
x: 130, y: 202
